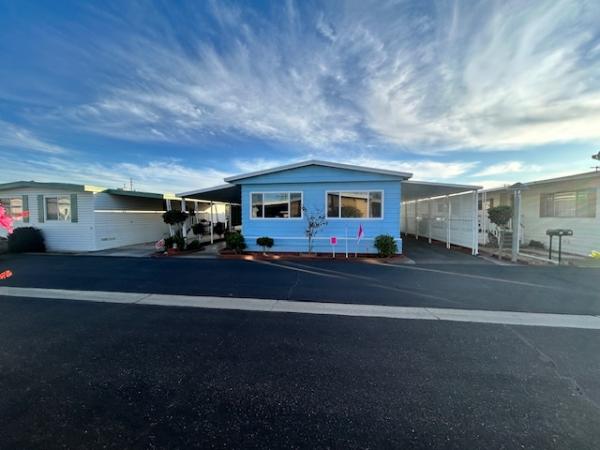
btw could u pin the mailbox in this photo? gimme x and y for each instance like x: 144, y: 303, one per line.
x: 560, y: 232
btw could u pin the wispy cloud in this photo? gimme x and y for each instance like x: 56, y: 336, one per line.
x: 508, y: 167
x: 153, y: 176
x: 466, y: 74
x: 15, y: 137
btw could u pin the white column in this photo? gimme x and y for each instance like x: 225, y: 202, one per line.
x: 184, y: 224
x: 417, y: 219
x: 484, y: 218
x: 516, y: 243
x: 429, y: 219
x: 448, y: 221
x: 212, y: 231
x: 169, y: 209
x: 475, y: 247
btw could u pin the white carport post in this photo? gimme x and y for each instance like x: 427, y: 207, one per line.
x: 183, y: 225
x: 417, y: 219
x: 484, y: 219
x: 228, y: 216
x: 516, y: 239
x: 449, y: 204
x: 475, y: 247
x: 429, y: 219
x: 212, y: 225
x: 169, y: 209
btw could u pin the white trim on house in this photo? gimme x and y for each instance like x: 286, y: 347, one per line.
x: 339, y: 192
x: 289, y: 205
x: 316, y: 162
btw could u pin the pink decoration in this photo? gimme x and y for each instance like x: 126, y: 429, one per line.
x: 6, y: 221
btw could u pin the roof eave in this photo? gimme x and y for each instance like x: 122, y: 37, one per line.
x: 316, y: 162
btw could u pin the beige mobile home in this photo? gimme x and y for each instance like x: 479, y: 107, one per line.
x: 571, y: 202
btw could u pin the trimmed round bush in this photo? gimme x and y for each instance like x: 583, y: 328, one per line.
x: 265, y: 242
x: 173, y: 217
x: 386, y: 245
x: 26, y: 239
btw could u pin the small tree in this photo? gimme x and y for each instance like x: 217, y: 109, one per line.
x: 265, y: 242
x: 175, y: 217
x: 500, y: 216
x: 314, y: 222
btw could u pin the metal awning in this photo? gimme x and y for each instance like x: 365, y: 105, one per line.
x: 224, y: 193
x: 418, y: 190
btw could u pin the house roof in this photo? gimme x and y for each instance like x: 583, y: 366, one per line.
x: 226, y: 193
x: 574, y: 177
x: 418, y: 190
x: 141, y: 194
x: 315, y: 162
x: 83, y: 188
x: 42, y: 185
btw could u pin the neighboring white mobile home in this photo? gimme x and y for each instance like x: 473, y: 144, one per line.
x: 571, y: 202
x: 82, y: 218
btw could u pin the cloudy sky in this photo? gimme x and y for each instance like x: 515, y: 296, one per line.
x: 179, y: 95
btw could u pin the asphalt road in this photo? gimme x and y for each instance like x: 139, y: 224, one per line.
x: 86, y: 375
x: 452, y: 280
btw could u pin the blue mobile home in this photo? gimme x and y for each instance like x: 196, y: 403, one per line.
x: 275, y: 203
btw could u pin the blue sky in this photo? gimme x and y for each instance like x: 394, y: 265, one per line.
x: 178, y: 95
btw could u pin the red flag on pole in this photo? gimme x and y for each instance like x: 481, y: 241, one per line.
x: 361, y: 232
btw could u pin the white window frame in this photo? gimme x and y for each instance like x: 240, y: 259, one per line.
x: 57, y: 197
x: 339, y: 192
x: 9, y: 209
x: 289, y: 205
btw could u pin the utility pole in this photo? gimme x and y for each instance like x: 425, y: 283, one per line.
x: 131, y: 184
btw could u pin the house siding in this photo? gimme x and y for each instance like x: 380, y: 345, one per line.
x: 586, y: 230
x: 60, y: 236
x: 103, y: 220
x: 289, y: 234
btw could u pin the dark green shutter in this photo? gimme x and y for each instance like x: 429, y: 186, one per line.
x: 25, y: 208
x: 40, y: 201
x: 74, y: 217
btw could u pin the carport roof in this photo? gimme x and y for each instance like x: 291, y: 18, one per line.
x: 418, y: 190
x: 225, y: 193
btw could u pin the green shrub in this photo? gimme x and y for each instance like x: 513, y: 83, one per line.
x: 173, y: 217
x: 194, y: 245
x: 500, y: 215
x: 265, y: 242
x: 235, y: 241
x: 386, y: 245
x: 537, y: 244
x: 219, y: 228
x: 198, y: 228
x: 176, y: 239
x: 26, y: 239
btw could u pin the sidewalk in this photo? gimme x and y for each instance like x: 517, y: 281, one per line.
x: 589, y: 322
